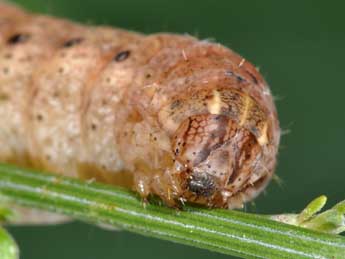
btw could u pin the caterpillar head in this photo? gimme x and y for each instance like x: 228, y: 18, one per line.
x: 220, y: 161
x: 222, y: 158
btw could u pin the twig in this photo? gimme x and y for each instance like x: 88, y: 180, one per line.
x: 229, y: 232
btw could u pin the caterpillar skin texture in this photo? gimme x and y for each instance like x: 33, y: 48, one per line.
x: 163, y: 114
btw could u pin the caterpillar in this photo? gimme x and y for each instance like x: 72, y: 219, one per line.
x: 185, y: 119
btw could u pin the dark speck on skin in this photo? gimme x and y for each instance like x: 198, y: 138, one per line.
x: 72, y: 42
x: 39, y: 117
x: 18, y: 38
x: 240, y: 79
x: 121, y: 56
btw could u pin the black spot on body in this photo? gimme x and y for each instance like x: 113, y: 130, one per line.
x: 121, y: 56
x: 18, y: 38
x: 72, y: 42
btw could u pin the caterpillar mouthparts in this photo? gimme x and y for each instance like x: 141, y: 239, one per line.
x: 163, y: 114
x: 219, y: 160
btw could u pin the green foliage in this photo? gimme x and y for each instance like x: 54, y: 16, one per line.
x: 331, y: 221
x: 8, y: 247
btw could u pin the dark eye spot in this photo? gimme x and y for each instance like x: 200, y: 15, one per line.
x: 121, y: 56
x: 18, y: 38
x: 72, y: 42
x: 201, y: 184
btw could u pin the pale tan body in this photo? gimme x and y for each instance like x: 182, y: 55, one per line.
x: 103, y: 103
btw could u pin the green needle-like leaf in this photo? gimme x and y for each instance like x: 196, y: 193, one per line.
x: 331, y: 221
x: 312, y: 208
x: 8, y: 247
x: 229, y: 232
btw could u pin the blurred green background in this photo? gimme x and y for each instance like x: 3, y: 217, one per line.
x: 300, y: 49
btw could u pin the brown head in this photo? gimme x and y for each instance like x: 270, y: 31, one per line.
x: 224, y: 148
x: 218, y: 160
x: 221, y: 120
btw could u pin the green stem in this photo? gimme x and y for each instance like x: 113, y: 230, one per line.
x: 229, y: 232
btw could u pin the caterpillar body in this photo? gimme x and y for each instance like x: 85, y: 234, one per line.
x: 164, y: 114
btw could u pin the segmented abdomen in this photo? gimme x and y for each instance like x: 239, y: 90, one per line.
x: 103, y: 103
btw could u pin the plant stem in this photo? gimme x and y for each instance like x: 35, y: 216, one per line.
x: 229, y: 232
